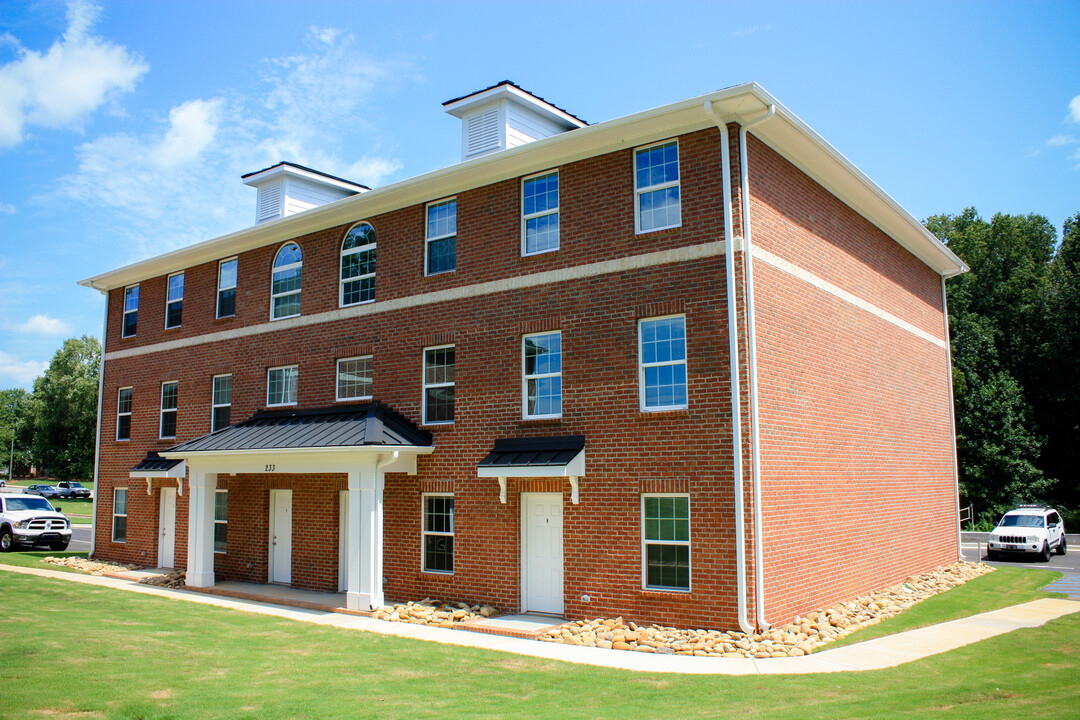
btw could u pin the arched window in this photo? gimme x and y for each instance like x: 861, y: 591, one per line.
x: 358, y: 265
x: 285, y: 290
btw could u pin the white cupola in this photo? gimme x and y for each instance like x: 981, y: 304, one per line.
x: 504, y: 116
x: 286, y: 189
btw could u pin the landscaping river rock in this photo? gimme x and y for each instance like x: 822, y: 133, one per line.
x: 89, y: 566
x: 802, y: 636
x: 434, y: 612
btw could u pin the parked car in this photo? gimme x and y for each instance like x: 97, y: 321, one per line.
x: 1028, y: 529
x: 32, y: 520
x: 45, y: 491
x: 72, y: 489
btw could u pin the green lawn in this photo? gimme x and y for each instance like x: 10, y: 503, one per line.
x: 128, y: 656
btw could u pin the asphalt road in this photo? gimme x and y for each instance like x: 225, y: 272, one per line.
x: 80, y: 538
x: 1069, y: 564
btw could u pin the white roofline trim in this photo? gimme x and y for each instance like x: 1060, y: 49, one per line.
x: 786, y: 134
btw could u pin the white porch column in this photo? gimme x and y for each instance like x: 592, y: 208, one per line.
x: 200, y: 555
x: 365, y: 568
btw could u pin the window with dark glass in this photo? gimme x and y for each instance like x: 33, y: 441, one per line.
x: 131, y: 311
x: 226, y: 288
x: 439, y: 533
x: 441, y: 237
x: 169, y: 398
x: 439, y: 385
x: 358, y: 265
x: 174, y: 300
x: 287, y: 280
x: 123, y: 414
x: 222, y: 402
x: 119, y: 527
x: 221, y: 519
x: 666, y: 538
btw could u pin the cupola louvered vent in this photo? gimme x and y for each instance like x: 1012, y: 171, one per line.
x: 483, y: 132
x: 504, y: 116
x: 269, y: 203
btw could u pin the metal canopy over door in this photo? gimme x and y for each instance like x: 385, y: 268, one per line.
x: 281, y: 536
x: 167, y: 528
x: 542, y: 553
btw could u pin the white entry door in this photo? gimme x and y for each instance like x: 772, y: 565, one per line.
x: 167, y: 528
x: 281, y: 536
x: 542, y: 553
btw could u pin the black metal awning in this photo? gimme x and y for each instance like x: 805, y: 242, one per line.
x: 352, y: 426
x: 153, y: 465
x: 548, y: 457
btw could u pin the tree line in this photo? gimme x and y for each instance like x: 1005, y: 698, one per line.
x: 1015, y: 324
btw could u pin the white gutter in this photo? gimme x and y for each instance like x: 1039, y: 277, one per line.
x: 952, y: 416
x: 751, y: 359
x: 733, y: 356
x: 97, y: 440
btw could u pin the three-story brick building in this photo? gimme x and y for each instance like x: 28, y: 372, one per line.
x: 688, y: 366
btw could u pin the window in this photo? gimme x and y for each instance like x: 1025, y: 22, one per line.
x: 119, y: 515
x: 285, y: 289
x: 131, y: 311
x: 226, y: 288
x: 281, y: 385
x: 358, y: 265
x: 441, y: 238
x: 666, y: 540
x: 123, y: 414
x: 221, y: 519
x: 439, y: 533
x: 174, y: 300
x: 542, y: 376
x: 656, y: 187
x: 540, y: 213
x: 169, y: 392
x: 354, y: 378
x: 222, y: 402
x: 439, y: 385
x: 662, y: 352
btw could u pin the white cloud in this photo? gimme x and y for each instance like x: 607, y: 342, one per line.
x: 192, y: 129
x: 7, y: 209
x: 1061, y: 140
x: 307, y: 104
x: 751, y: 31
x: 43, y: 325
x: 60, y: 87
x: 1074, y: 109
x: 22, y: 372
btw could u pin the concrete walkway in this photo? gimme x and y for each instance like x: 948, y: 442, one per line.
x: 875, y: 654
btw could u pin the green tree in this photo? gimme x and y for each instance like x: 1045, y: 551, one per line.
x: 15, y: 425
x: 64, y: 411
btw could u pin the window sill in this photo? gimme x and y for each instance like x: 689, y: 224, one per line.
x: 284, y: 317
x: 433, y: 575
x: 659, y: 232
x: 436, y: 426
x: 362, y: 302
x: 280, y: 405
x: 441, y: 272
x: 527, y: 255
x: 122, y: 440
x: 366, y: 398
x: 173, y: 327
x: 664, y: 412
x: 665, y: 594
x: 225, y: 317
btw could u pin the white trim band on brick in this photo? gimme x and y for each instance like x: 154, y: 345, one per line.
x: 520, y: 282
x: 822, y: 284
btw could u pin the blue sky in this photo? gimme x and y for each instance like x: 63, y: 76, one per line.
x: 125, y: 126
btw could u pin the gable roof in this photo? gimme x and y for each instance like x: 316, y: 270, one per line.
x: 785, y: 133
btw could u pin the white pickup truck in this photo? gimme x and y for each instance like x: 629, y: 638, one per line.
x: 32, y: 520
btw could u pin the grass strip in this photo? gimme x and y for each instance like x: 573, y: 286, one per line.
x: 153, y: 658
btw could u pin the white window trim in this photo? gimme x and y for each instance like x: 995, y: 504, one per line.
x: 639, y: 191
x: 284, y: 268
x: 224, y: 522
x: 424, y: 385
x: 353, y: 251
x: 525, y: 378
x: 122, y: 414
x: 424, y: 532
x: 214, y: 405
x: 282, y: 367
x: 169, y: 302
x: 525, y: 218
x: 337, y: 378
x: 220, y: 289
x: 644, y: 543
x: 642, y: 366
x: 429, y: 240
x: 116, y: 514
x: 125, y: 312
x: 175, y: 410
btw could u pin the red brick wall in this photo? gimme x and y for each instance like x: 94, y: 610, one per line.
x: 628, y: 452
x: 856, y: 445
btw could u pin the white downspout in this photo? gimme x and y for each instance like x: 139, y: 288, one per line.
x: 952, y: 418
x: 751, y: 360
x: 97, y: 440
x: 733, y: 354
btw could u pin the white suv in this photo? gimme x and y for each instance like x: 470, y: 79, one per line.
x: 1027, y: 529
x: 31, y: 520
